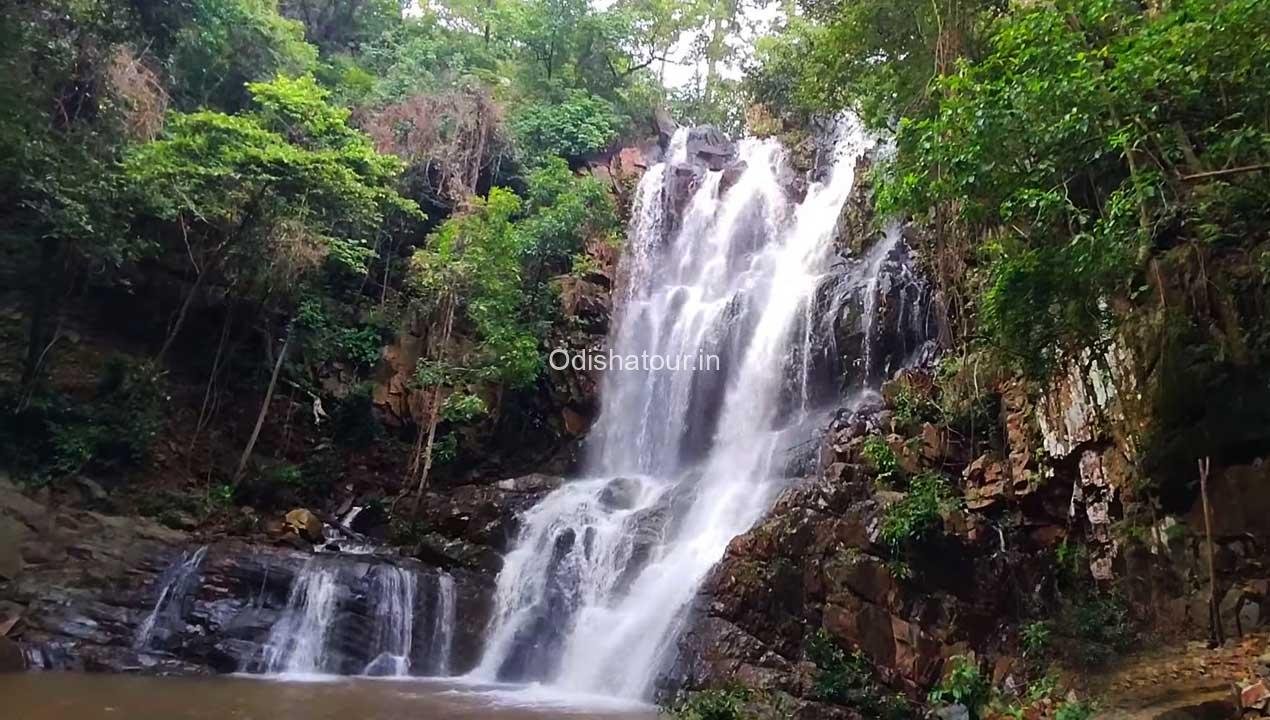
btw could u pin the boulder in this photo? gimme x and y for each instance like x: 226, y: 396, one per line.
x: 666, y: 125
x: 585, y: 300
x: 956, y: 711
x: 304, y: 523
x: 986, y: 479
x: 710, y: 146
x: 1255, y: 696
x: 620, y: 494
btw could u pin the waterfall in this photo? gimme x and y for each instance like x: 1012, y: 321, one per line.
x: 443, y: 610
x: 683, y: 459
x: 175, y: 583
x: 393, y: 594
x: 297, y: 642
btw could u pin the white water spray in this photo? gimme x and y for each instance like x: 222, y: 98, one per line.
x: 297, y: 642
x: 177, y: 581
x: 443, y: 620
x: 393, y: 595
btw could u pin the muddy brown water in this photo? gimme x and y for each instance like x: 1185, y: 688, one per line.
x: 75, y: 696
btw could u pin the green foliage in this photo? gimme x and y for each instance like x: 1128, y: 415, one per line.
x: 1072, y: 134
x: 424, y: 54
x: 848, y: 679
x: 1036, y: 639
x: 1094, y: 628
x: 404, y: 532
x: 229, y: 43
x: 446, y: 448
x: 476, y: 257
x: 912, y: 407
x: 877, y: 56
x: 287, y: 475
x: 915, y: 518
x: 324, y: 339
x: 878, y: 453
x: 966, y: 403
x: 295, y: 158
x: 571, y: 128
x: 56, y: 436
x: 583, y: 265
x: 1074, y: 710
x: 728, y: 704
x: 1071, y: 561
x: 460, y: 407
x: 964, y: 684
x: 220, y: 497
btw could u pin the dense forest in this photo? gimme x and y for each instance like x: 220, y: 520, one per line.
x: 270, y: 189
x: 259, y: 253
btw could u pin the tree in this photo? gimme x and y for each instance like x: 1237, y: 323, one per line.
x: 229, y: 43
x: 290, y: 183
x: 472, y: 263
x: 1081, y: 138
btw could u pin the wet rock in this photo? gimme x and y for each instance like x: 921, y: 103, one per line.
x: 478, y: 519
x: 94, y: 493
x: 710, y: 146
x: 620, y: 494
x: 665, y: 124
x: 535, y: 483
x: 85, y: 611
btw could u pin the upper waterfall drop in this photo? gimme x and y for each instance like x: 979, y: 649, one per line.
x: 683, y: 459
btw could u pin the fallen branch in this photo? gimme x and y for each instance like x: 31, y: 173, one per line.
x: 1227, y: 171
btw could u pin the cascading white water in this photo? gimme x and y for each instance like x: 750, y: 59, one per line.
x: 174, y: 584
x: 393, y: 593
x: 297, y: 642
x: 682, y: 459
x: 443, y: 611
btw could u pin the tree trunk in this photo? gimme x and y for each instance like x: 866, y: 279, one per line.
x: 38, y: 338
x: 1216, y: 636
x: 179, y: 322
x: 264, y: 410
x: 434, y: 407
x: 204, y: 413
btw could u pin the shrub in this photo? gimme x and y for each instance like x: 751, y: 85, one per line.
x: 287, y: 475
x: 462, y: 408
x: 1036, y: 639
x: 1097, y: 627
x: 916, y: 517
x: 964, y: 685
x: 580, y: 124
x: 1074, y: 710
x: 849, y: 680
x: 55, y: 436
x: 728, y: 704
x: 878, y: 453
